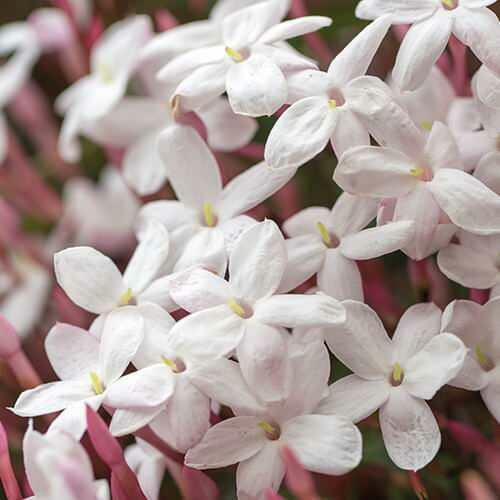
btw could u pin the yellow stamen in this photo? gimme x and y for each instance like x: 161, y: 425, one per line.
x: 332, y: 103
x: 126, y: 297
x: 481, y: 357
x: 448, y: 3
x: 325, y: 235
x: 96, y: 383
x: 234, y: 55
x: 426, y: 125
x: 208, y: 214
x: 272, y: 431
x: 397, y: 372
x: 236, y: 308
x: 417, y: 172
x: 105, y: 73
x: 170, y: 363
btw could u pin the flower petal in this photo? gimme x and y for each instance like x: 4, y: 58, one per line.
x: 349, y: 133
x: 490, y: 396
x: 441, y: 149
x: 293, y: 28
x: 488, y: 171
x: 305, y: 222
x: 408, y: 11
x: 351, y: 213
x: 90, y: 279
x: 127, y: 421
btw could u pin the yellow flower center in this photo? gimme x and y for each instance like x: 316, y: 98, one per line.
x: 272, y: 431
x: 483, y: 359
x: 332, y: 103
x: 426, y: 125
x: 105, y: 73
x: 208, y: 215
x: 176, y: 365
x: 127, y: 297
x: 397, y: 374
x: 235, y: 55
x: 236, y: 308
x: 325, y: 235
x: 96, y: 382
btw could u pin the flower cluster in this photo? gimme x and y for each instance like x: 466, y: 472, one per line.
x: 192, y: 320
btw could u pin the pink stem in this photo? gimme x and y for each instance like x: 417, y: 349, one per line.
x: 7, y: 476
x: 479, y: 296
x: 165, y: 20
x: 150, y: 437
x: 253, y: 151
x: 298, y: 480
x: 417, y: 485
x: 419, y: 277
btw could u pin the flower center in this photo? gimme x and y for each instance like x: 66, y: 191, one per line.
x: 335, y: 98
x: 96, y: 382
x: 240, y: 309
x: 484, y: 360
x: 127, y: 297
x: 421, y: 173
x: 272, y: 430
x: 449, y: 4
x: 397, y: 375
x: 236, y: 55
x: 209, y: 217
x: 426, y: 125
x: 177, y: 365
x: 105, y: 73
x: 330, y: 240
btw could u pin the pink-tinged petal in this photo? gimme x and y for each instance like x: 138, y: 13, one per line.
x: 362, y: 343
x: 299, y: 481
x: 473, y: 146
x: 149, y: 256
x: 441, y: 149
x: 256, y: 86
x: 52, y: 397
x: 198, y: 289
x: 375, y: 172
x: 146, y: 388
x: 339, y: 277
x: 208, y: 334
x: 461, y: 318
x: 420, y: 49
x: 263, y: 358
x: 349, y: 133
x: 72, y: 351
x: 293, y: 28
x: 401, y: 11
x: 470, y: 267
x: 418, y: 325
x: 305, y: 222
x: 488, y: 171
x: 9, y: 481
x: 490, y: 395
x: 180, y: 146
x: 110, y: 452
x: 325, y: 444
x: 434, y: 365
x: 486, y: 87
x: 223, y: 382
x: 127, y: 421
x: 226, y: 443
x: 420, y: 207
x: 350, y: 214
x: 467, y: 201
x: 354, y: 398
x: 354, y: 59
x: 377, y: 241
x: 301, y: 132
x: 463, y: 115
x: 479, y: 30
x: 226, y: 131
x: 409, y: 429
x: 142, y: 166
x: 89, y: 278
x: 305, y: 257
x: 265, y: 470
x: 122, y: 335
x: 471, y: 377
x: 291, y: 310
x: 250, y: 188
x: 186, y: 417
x: 198, y: 485
x: 257, y: 262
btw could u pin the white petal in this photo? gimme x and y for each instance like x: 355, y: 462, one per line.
x: 201, y: 182
x: 90, y: 279
x: 402, y: 11
x: 142, y: 166
x: 410, y: 431
x: 262, y: 355
x: 127, y: 421
x: 441, y: 149
x: 293, y: 28
x: 300, y: 133
x: 146, y: 388
x: 434, y: 365
x: 488, y: 171
x: 72, y: 351
x: 148, y: 258
x: 172, y: 214
x: 122, y: 335
x: 304, y: 222
x: 307, y: 83
x: 354, y: 59
x: 324, y: 444
x: 198, y: 289
x: 262, y: 471
x: 418, y: 325
x: 362, y: 343
x: 460, y: 318
x: 490, y: 396
x: 376, y: 172
x: 354, y: 398
x: 351, y: 213
x: 256, y: 86
x: 233, y: 229
x: 420, y: 49
x: 339, y: 277
x: 258, y: 261
x: 471, y: 377
x: 349, y: 133
x: 293, y: 310
x: 223, y: 381
x: 51, y: 397
x: 377, y: 241
x: 468, y: 266
x: 467, y: 202
x: 486, y: 87
x: 250, y: 188
x: 227, y: 443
